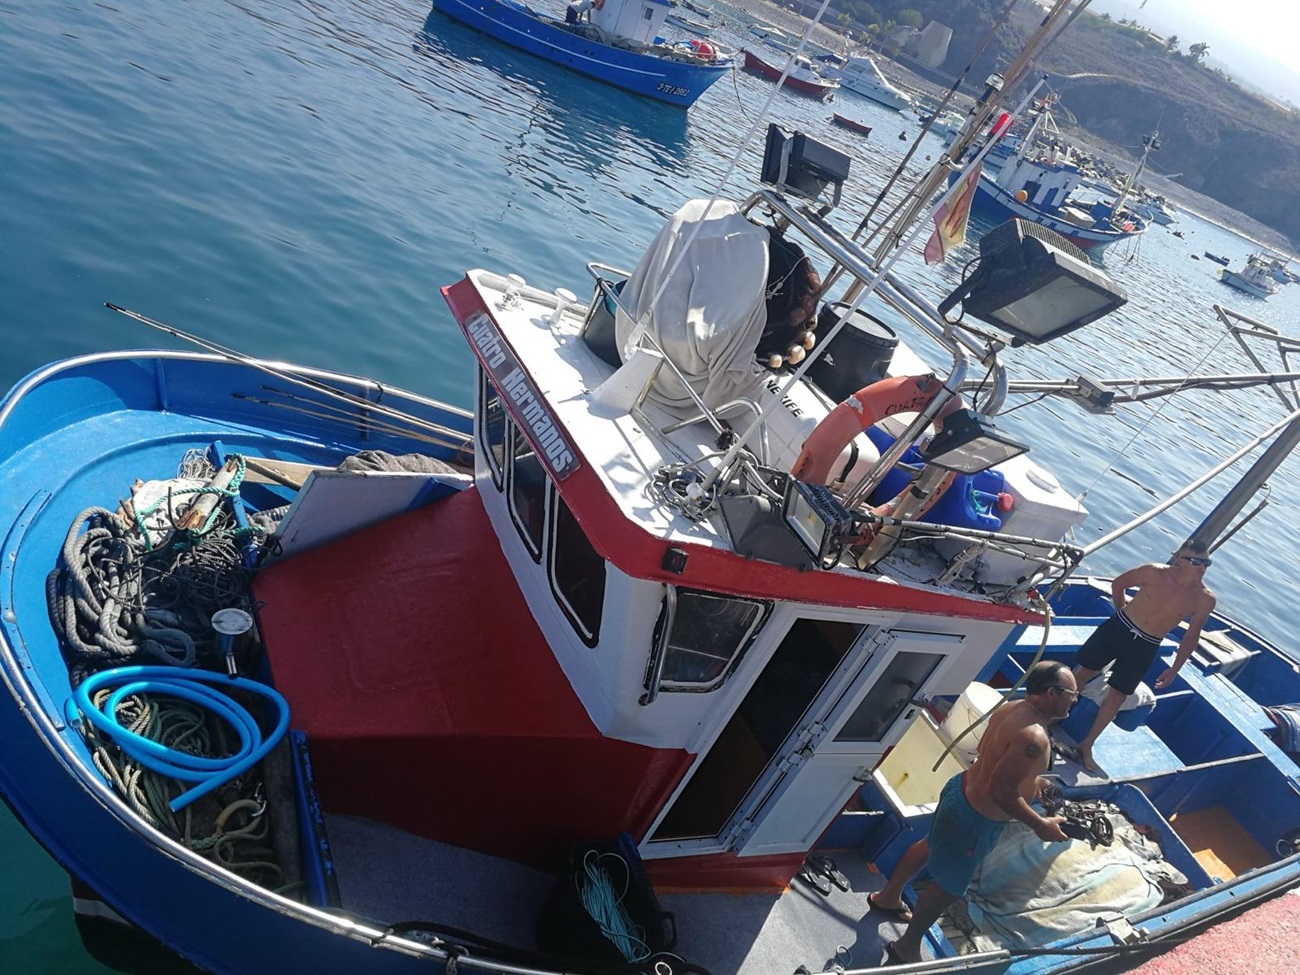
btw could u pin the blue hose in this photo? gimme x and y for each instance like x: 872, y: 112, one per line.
x: 188, y: 685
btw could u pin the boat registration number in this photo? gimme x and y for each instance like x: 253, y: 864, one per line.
x: 677, y: 91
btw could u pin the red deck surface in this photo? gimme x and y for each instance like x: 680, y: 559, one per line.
x: 432, y: 701
x: 1263, y: 941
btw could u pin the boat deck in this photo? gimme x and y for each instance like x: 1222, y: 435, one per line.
x: 389, y: 876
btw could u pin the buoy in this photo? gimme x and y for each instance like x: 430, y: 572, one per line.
x: 1022, y: 196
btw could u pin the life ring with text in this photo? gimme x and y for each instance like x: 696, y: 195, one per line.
x: 869, y: 405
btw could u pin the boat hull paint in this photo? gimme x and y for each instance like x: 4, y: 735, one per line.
x: 674, y: 82
x: 45, y: 777
x: 848, y: 123
x: 817, y: 89
x: 994, y: 201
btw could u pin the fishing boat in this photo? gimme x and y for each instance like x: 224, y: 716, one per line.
x: 802, y: 76
x: 862, y: 75
x: 619, y: 45
x: 1041, y: 182
x: 1218, y: 259
x: 1255, y: 278
x: 850, y: 123
x: 643, y: 662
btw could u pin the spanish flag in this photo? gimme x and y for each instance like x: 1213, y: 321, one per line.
x: 951, y: 218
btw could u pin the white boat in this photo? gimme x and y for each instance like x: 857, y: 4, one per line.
x: 1256, y: 278
x: 697, y: 27
x: 862, y: 75
x: 946, y: 125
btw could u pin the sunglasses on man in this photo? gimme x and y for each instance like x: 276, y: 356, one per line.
x: 1197, y: 560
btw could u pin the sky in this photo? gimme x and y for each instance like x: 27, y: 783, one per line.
x: 1253, y: 40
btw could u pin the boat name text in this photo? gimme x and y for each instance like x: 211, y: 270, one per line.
x: 525, y: 402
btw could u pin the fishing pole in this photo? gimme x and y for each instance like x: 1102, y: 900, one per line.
x: 458, y: 438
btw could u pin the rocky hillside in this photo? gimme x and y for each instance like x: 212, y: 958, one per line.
x: 1117, y: 84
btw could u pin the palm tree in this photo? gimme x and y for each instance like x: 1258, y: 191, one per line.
x: 1197, y: 51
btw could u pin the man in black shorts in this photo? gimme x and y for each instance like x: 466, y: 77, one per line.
x: 1167, y: 595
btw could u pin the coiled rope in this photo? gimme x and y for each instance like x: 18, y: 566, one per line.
x: 596, y: 891
x: 187, y: 685
x: 117, y: 597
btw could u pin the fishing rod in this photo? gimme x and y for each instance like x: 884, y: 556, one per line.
x: 455, y: 439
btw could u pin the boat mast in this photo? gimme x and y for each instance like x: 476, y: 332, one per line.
x: 1150, y: 144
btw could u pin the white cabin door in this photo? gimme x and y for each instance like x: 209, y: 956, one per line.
x: 849, y: 730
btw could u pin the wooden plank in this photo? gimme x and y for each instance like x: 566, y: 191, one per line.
x: 1218, y: 842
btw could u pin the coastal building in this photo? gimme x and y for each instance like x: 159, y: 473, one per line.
x: 931, y: 47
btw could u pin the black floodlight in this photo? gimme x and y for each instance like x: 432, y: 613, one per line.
x: 969, y: 443
x: 802, y: 166
x: 1034, y: 284
x: 817, y: 519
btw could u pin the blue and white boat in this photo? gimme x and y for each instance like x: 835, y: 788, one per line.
x: 1042, y: 181
x: 302, y: 672
x: 619, y: 44
x: 685, y: 687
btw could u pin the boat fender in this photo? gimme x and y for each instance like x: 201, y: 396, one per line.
x: 868, y: 406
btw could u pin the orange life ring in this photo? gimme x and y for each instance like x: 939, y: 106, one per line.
x: 869, y: 405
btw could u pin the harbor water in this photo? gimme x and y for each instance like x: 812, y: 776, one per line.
x: 296, y: 180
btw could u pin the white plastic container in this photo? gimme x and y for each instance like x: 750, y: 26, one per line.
x: 977, y: 700
x: 1041, y: 508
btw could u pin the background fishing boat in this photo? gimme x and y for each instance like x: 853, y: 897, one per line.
x: 1255, y: 277
x: 620, y: 45
x: 802, y: 77
x: 188, y: 246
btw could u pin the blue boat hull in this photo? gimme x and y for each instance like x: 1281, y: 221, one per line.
x: 71, y: 433
x: 76, y: 433
x: 675, y: 82
x: 993, y: 201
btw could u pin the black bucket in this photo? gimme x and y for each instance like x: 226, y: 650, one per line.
x: 858, y: 356
x: 598, y: 329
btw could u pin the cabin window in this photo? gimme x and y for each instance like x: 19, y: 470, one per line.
x: 577, y: 572
x: 707, y: 635
x: 492, y: 428
x: 527, y: 491
x: 891, y: 694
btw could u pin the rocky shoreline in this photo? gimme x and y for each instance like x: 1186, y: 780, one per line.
x: 1186, y: 199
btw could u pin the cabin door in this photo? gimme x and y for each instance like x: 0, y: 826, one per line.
x: 842, y: 738
x: 833, y: 697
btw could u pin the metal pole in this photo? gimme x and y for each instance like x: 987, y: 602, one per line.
x: 1235, y: 500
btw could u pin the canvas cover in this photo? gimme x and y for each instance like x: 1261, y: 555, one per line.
x: 709, y: 318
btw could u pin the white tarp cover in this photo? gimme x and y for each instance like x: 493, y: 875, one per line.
x: 711, y: 315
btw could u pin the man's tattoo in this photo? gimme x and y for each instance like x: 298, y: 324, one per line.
x: 1032, y: 750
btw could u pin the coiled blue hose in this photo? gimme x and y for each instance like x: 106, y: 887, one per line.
x: 188, y: 685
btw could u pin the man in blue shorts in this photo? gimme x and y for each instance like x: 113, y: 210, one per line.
x: 1168, y: 594
x: 976, y: 805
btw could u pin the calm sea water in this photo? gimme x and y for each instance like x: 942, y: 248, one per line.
x: 297, y: 180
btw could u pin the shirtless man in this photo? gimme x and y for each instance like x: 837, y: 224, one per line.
x: 976, y: 805
x: 1168, y: 595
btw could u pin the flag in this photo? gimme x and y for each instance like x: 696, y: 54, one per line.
x: 950, y: 219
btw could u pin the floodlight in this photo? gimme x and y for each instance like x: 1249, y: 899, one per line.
x: 817, y: 519
x: 1034, y: 284
x: 801, y: 165
x: 969, y: 443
